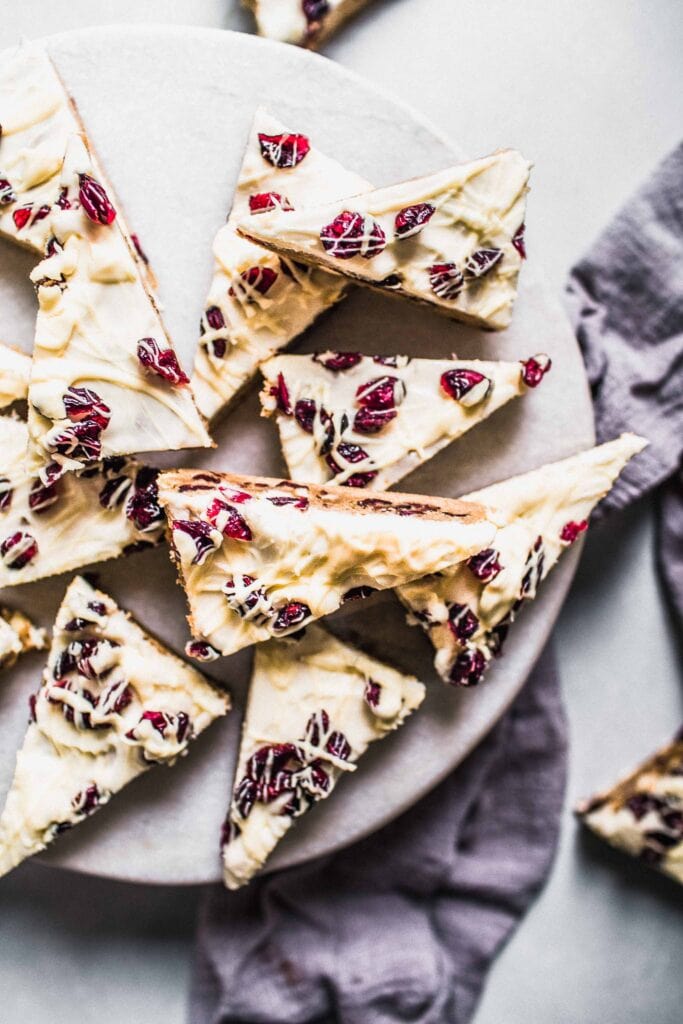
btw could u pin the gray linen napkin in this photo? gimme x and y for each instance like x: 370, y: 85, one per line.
x: 403, y: 926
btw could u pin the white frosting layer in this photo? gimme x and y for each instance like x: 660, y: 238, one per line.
x: 536, y: 508
x: 643, y: 815
x: 476, y: 209
x: 303, y: 693
x: 18, y: 635
x: 426, y: 417
x: 15, y: 369
x: 68, y: 524
x: 94, y: 310
x: 256, y: 325
x: 308, y: 548
x: 287, y: 21
x: 112, y: 702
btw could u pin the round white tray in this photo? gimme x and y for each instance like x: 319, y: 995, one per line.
x: 168, y: 110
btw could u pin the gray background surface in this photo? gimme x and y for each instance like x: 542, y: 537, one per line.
x: 591, y: 92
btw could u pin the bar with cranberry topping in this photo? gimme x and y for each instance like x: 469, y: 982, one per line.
x: 308, y: 23
x: 315, y: 705
x: 113, y: 702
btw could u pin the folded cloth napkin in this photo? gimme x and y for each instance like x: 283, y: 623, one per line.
x: 403, y: 926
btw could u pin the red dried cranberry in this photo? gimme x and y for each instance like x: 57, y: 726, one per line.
x: 6, y: 492
x: 372, y: 693
x: 200, y: 650
x: 163, y: 362
x: 217, y: 347
x: 535, y: 368
x: 571, y: 531
x: 95, y: 200
x: 138, y: 248
x: 411, y: 219
x: 282, y: 499
x: 115, y: 492
x: 485, y: 565
x: 352, y: 234
x: 87, y: 801
x: 469, y: 387
x: 22, y: 216
x: 315, y: 11
x: 18, y: 550
x: 201, y: 534
x: 381, y: 393
x: 518, y: 241
x: 446, y: 280
x: 142, y: 508
x: 294, y: 613
x: 304, y: 414
x: 338, y: 746
x: 286, y: 150
x: 236, y: 497
x: 317, y: 726
x: 41, y: 497
x: 280, y: 392
x: 351, y: 453
x: 261, y: 202
x: 337, y: 361
x: 214, y: 318
x: 228, y: 520
x: 255, y: 596
x: 63, y: 200
x: 482, y: 262
x: 367, y: 421
x: 257, y: 279
x: 468, y: 668
x: 84, y: 404
x: 32, y: 716
x: 116, y: 699
x: 79, y: 440
x: 41, y: 213
x: 7, y: 193
x: 462, y: 622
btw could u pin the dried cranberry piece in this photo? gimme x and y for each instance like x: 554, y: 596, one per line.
x: 200, y: 650
x: 518, y: 241
x: 256, y: 279
x: 337, y: 361
x: 18, y: 550
x: 87, y: 801
x: 411, y: 219
x: 201, y: 534
x: 63, y: 200
x: 338, y: 746
x: 261, y: 202
x: 282, y: 499
x: 469, y: 387
x: 316, y: 727
x: 351, y: 453
x: 462, y: 622
x: 138, y: 248
x: 381, y: 393
x: 367, y: 421
x: 116, y: 699
x: 79, y: 440
x: 163, y: 362
x: 468, y: 668
x: 535, y: 368
x: 217, y: 347
x: 482, y: 262
x: 315, y: 11
x: 372, y: 693
x: 7, y: 193
x: 115, y: 492
x: 571, y: 531
x: 280, y: 392
x: 485, y: 565
x: 236, y: 497
x: 32, y: 716
x: 641, y: 804
x: 85, y: 405
x: 294, y: 613
x: 42, y: 497
x: 52, y: 247
x: 352, y: 234
x: 250, y: 601
x: 6, y: 492
x: 142, y: 508
x: 286, y: 150
x: 228, y: 520
x: 95, y: 200
x: 446, y: 280
x: 22, y: 216
x: 41, y: 213
x: 214, y: 318
x: 304, y: 414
